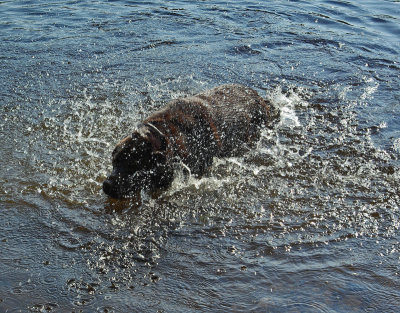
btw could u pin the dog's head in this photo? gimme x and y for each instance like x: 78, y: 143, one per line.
x: 139, y: 162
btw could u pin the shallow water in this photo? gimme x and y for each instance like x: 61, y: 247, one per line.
x: 306, y: 222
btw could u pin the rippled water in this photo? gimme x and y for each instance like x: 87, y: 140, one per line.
x: 306, y: 222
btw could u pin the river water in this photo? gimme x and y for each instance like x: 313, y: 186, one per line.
x: 306, y: 222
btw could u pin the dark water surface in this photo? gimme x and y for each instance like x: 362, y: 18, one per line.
x: 307, y: 222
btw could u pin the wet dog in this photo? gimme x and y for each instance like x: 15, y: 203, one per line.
x: 190, y: 131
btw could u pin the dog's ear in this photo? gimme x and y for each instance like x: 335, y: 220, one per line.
x: 163, y: 172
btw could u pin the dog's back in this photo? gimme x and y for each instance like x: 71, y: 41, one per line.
x: 216, y: 122
x: 238, y: 112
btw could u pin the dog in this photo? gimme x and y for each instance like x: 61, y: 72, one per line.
x: 190, y: 131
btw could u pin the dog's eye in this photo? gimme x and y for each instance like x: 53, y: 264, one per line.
x: 114, y: 152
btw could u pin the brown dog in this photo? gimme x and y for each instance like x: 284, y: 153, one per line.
x: 193, y: 130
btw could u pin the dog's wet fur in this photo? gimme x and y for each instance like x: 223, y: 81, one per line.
x: 191, y: 131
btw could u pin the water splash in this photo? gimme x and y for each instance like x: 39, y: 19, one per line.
x: 314, y: 180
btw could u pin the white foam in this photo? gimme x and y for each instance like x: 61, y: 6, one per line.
x: 289, y: 117
x: 396, y: 145
x: 287, y: 103
x: 370, y: 89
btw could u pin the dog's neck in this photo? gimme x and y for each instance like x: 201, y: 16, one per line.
x: 150, y: 125
x: 152, y: 134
